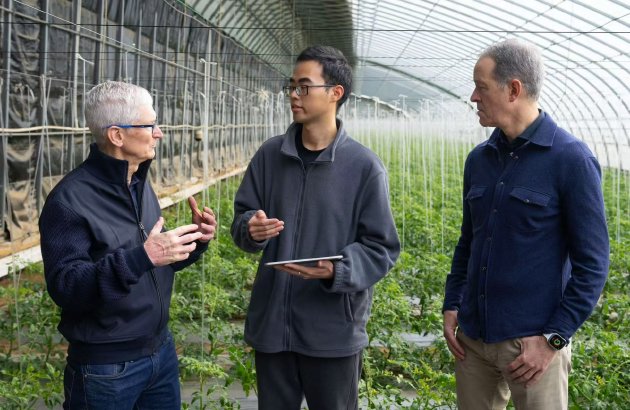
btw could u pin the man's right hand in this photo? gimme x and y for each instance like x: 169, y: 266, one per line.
x: 261, y: 228
x: 164, y: 248
x: 450, y: 327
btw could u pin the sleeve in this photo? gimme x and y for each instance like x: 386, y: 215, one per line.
x: 373, y: 254
x: 74, y: 280
x: 584, y: 220
x: 247, y: 201
x: 456, y: 280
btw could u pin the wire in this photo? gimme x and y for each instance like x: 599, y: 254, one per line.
x: 336, y: 28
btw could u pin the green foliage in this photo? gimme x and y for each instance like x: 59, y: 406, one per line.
x: 211, y: 297
x: 31, y: 359
x: 27, y: 381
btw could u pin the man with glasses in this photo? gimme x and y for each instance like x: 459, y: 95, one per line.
x: 314, y: 192
x: 112, y: 279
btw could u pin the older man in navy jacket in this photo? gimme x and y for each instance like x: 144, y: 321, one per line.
x: 532, y: 257
x: 112, y: 279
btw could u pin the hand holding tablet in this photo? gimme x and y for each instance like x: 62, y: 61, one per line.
x: 309, y: 268
x: 307, y: 261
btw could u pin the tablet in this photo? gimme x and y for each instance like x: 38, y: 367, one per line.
x: 306, y: 261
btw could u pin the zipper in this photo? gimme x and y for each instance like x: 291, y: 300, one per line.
x: 287, y: 329
x: 298, y: 222
x: 144, y: 236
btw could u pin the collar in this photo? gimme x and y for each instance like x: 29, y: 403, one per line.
x: 327, y: 155
x: 540, y: 132
x: 111, y: 169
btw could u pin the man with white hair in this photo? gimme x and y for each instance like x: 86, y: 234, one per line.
x: 532, y: 257
x: 112, y: 279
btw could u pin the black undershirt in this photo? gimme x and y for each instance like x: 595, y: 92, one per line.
x: 306, y: 155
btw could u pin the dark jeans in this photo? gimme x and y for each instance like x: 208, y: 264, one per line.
x: 327, y: 383
x: 151, y: 382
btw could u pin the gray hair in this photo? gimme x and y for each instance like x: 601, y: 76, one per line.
x: 517, y: 60
x: 113, y: 102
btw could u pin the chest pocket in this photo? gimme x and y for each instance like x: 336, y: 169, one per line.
x: 478, y: 212
x: 528, y: 210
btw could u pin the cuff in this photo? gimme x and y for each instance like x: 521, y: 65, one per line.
x: 336, y: 282
x: 249, y: 242
x: 138, y: 261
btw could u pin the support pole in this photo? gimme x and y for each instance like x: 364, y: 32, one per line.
x: 118, y: 72
x: 6, y: 91
x: 96, y: 75
x: 74, y: 97
x: 43, y: 115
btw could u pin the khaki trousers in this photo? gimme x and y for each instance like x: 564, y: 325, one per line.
x: 483, y: 383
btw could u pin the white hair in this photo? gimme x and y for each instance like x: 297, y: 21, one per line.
x: 113, y: 102
x: 517, y: 60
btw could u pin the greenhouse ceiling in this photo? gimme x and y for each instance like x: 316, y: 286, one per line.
x: 408, y: 51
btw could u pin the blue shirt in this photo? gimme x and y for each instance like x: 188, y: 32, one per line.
x: 532, y: 257
x: 524, y: 137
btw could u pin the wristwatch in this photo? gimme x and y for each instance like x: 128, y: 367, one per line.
x: 556, y: 341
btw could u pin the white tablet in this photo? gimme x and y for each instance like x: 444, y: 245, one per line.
x: 306, y: 261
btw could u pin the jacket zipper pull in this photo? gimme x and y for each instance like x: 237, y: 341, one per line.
x: 144, y: 232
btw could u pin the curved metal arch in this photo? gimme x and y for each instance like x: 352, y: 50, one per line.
x: 551, y: 51
x: 595, y: 75
x: 228, y: 16
x: 566, y: 106
x: 259, y: 20
x: 603, y: 80
x: 418, y: 79
x: 423, y: 45
x: 306, y: 22
x: 461, y: 49
x: 502, y: 28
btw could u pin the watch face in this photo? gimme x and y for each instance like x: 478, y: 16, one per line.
x: 557, y: 342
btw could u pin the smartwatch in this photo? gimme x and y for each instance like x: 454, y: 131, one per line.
x: 556, y: 341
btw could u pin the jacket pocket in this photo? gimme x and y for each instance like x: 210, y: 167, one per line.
x: 474, y: 198
x: 105, y: 371
x: 135, y: 316
x: 349, y: 308
x: 528, y: 210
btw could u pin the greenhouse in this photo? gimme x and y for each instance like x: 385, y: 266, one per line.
x: 218, y: 72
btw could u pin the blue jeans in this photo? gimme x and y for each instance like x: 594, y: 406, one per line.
x: 150, y: 382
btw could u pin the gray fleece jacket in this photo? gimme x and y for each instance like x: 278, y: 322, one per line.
x: 339, y: 205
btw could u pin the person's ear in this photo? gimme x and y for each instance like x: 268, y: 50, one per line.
x: 337, y: 93
x: 114, y: 136
x: 516, y: 89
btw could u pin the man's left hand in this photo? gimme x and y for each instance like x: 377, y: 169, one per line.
x: 323, y: 270
x: 205, y: 220
x: 530, y: 366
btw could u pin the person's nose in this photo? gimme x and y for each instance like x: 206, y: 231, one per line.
x: 157, y: 132
x: 474, y: 97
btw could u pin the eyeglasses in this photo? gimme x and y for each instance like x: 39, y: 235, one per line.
x: 152, y: 126
x: 302, y: 90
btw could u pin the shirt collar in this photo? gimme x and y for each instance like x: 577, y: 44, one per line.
x: 111, y: 169
x: 327, y: 155
x: 540, y: 132
x: 531, y: 129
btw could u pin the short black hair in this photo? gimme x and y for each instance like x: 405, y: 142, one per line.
x: 336, y: 68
